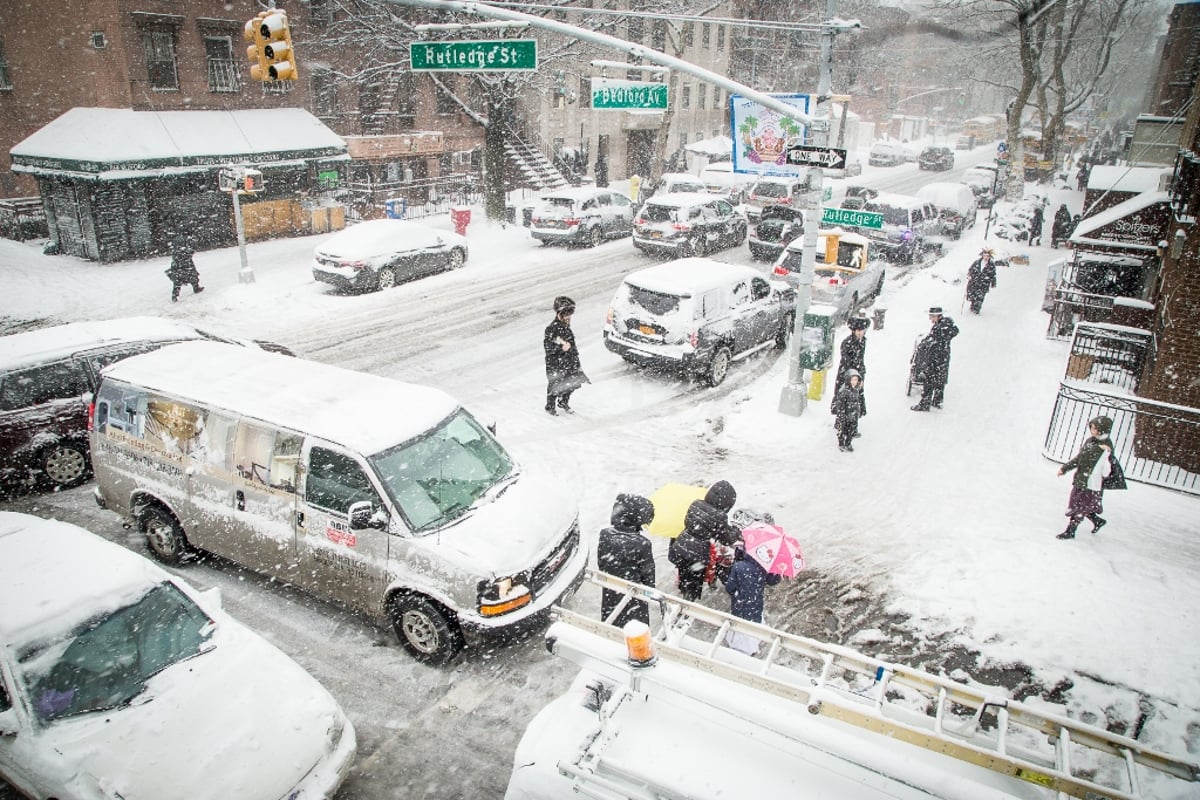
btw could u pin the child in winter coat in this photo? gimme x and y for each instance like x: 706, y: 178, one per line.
x: 747, y: 585
x: 624, y: 552
x: 1092, y: 464
x: 705, y: 525
x: 847, y: 405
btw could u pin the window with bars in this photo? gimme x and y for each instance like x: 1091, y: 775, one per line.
x: 637, y: 30
x: 689, y: 34
x: 706, y: 35
x: 685, y: 100
x: 160, y: 60
x: 720, y: 37
x: 5, y: 79
x: 658, y: 35
x: 702, y: 96
x: 222, y: 72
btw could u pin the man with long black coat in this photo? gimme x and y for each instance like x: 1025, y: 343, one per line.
x: 564, y: 374
x: 1060, y: 231
x: 705, y: 522
x: 183, y: 268
x: 853, y: 356
x: 625, y: 552
x: 932, y: 362
x: 981, y: 279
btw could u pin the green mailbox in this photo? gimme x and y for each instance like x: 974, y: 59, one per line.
x: 816, y: 338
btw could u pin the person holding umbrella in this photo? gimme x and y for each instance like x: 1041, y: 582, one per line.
x: 764, y: 557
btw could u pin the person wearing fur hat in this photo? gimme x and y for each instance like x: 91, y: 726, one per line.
x: 625, y: 552
x: 981, y: 278
x: 705, y: 525
x: 847, y: 405
x: 854, y: 357
x: 1092, y: 464
x: 564, y: 373
x: 932, y: 360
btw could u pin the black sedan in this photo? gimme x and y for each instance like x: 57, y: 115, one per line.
x: 936, y: 158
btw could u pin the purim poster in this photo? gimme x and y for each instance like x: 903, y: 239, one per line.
x: 762, y: 135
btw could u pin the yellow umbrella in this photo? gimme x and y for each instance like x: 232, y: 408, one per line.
x: 671, y: 502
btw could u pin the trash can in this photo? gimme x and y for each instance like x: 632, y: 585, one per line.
x: 461, y: 217
x: 396, y: 207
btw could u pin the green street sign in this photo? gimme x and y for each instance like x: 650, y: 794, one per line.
x: 846, y: 216
x: 495, y: 55
x: 613, y: 93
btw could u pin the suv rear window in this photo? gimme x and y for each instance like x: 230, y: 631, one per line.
x: 891, y: 214
x: 657, y: 303
x: 771, y: 190
x: 657, y: 213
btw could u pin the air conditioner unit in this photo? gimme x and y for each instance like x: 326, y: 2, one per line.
x: 99, y: 41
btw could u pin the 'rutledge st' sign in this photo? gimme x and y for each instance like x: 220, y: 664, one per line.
x: 478, y: 56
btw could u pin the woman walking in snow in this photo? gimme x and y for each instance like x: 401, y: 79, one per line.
x: 1092, y: 464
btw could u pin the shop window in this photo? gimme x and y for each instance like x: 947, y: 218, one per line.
x: 160, y: 60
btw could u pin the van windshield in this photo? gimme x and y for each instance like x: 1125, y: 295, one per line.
x: 438, y: 477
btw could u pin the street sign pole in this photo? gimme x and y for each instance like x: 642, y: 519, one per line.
x: 245, y: 275
x: 794, y: 397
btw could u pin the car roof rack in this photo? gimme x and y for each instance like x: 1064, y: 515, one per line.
x: 979, y: 725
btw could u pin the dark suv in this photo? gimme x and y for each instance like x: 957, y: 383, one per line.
x: 936, y: 158
x: 46, y: 376
x: 778, y: 226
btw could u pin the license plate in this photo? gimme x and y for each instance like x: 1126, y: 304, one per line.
x: 655, y: 234
x: 646, y: 329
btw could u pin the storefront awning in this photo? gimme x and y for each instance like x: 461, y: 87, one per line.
x: 1139, y: 223
x: 102, y: 144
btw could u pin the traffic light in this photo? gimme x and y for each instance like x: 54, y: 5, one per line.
x: 258, y: 59
x: 277, y: 47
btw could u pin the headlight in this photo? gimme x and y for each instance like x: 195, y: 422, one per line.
x: 504, y: 594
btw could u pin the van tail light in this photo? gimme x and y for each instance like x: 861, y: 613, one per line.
x: 571, y: 221
x: 681, y: 226
x: 91, y: 417
x: 780, y: 269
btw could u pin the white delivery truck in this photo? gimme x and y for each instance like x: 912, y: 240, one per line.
x: 675, y: 713
x: 387, y: 497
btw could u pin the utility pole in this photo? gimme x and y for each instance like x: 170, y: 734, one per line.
x: 794, y: 397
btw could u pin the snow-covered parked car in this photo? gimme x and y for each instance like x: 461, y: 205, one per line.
x: 380, y: 253
x: 119, y: 680
x: 581, y: 215
x: 956, y: 204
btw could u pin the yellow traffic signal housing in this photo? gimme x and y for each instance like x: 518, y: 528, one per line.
x: 258, y: 59
x: 277, y: 47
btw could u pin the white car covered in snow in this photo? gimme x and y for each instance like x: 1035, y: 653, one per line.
x: 118, y: 680
x: 380, y: 253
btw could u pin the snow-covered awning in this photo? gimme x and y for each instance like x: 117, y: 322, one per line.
x: 123, y: 144
x: 1139, y: 223
x: 1132, y: 180
x: 716, y: 146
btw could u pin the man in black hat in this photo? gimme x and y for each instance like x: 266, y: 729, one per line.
x: 854, y: 355
x: 932, y: 362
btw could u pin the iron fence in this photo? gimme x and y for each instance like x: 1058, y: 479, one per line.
x: 1109, y: 354
x: 23, y: 218
x: 1156, y: 443
x: 1072, y: 306
x: 422, y: 197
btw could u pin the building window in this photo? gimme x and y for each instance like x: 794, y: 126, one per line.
x: 702, y: 96
x: 705, y: 34
x: 637, y: 30
x: 222, y: 73
x: 324, y: 92
x: 5, y: 80
x: 720, y: 37
x: 685, y: 101
x: 716, y: 97
x: 585, y: 92
x: 658, y: 35
x: 689, y: 34
x: 683, y: 140
x: 160, y: 60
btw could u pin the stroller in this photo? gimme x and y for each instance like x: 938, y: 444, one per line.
x: 915, y: 378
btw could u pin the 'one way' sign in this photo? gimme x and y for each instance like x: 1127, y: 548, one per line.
x: 804, y: 155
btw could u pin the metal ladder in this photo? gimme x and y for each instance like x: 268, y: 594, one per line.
x: 907, y: 704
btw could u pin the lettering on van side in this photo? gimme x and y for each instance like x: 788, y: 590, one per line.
x: 154, y: 463
x: 338, y: 533
x: 348, y: 565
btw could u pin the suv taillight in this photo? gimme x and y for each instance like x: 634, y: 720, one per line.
x: 680, y: 226
x: 91, y: 417
x: 569, y: 221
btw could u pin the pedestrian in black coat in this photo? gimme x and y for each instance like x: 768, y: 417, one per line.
x: 705, y: 525
x: 1092, y: 464
x: 563, y: 371
x: 1060, y: 231
x: 981, y: 279
x: 847, y: 405
x: 933, y: 360
x: 625, y: 552
x: 183, y: 269
x: 853, y: 357
x: 1035, y: 226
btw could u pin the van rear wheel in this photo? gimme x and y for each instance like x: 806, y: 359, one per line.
x: 164, y: 535
x: 425, y: 629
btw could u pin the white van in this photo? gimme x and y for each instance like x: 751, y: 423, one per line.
x: 385, y: 496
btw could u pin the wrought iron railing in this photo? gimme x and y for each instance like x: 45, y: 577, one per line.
x: 223, y: 76
x: 1156, y: 443
x: 1110, y: 354
x: 23, y: 218
x: 1071, y: 306
x: 423, y: 197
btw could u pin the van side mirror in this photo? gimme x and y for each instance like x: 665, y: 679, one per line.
x: 362, y: 515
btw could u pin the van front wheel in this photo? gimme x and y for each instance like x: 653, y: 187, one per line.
x: 164, y: 536
x: 424, y: 629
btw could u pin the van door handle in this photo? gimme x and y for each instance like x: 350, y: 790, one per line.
x: 239, y: 500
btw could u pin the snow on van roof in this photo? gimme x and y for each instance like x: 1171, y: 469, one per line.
x: 85, y: 575
x: 944, y: 194
x: 687, y: 275
x: 21, y: 349
x: 363, y: 412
